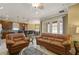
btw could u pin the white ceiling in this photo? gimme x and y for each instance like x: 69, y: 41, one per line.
x: 22, y: 12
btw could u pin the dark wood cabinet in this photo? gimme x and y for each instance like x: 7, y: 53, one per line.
x: 6, y: 28
x: 6, y: 25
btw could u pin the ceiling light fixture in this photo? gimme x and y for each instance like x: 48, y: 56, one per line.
x: 38, y: 5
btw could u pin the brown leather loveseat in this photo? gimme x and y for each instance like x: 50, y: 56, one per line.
x: 15, y: 42
x: 58, y: 43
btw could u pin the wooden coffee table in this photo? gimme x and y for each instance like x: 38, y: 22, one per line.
x: 31, y: 51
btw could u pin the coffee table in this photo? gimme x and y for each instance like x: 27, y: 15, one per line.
x: 31, y: 51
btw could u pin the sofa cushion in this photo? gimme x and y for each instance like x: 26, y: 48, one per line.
x: 45, y: 38
x: 41, y: 39
x: 19, y: 43
x: 10, y: 42
x: 51, y: 38
x: 52, y: 42
x: 59, y: 40
x: 17, y: 39
x: 57, y: 43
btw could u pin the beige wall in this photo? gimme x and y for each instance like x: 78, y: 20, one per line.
x: 33, y: 26
x: 65, y: 24
x: 73, y: 21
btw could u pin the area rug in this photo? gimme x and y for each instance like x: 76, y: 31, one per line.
x: 31, y: 51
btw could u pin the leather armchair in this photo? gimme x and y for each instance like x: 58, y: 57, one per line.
x: 16, y: 42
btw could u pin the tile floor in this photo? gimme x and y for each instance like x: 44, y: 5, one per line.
x: 3, y: 49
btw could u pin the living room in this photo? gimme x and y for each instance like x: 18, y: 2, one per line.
x: 39, y: 28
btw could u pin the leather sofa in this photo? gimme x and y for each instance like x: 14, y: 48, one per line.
x: 57, y: 43
x: 16, y: 42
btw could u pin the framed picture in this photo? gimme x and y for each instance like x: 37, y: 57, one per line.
x: 77, y: 29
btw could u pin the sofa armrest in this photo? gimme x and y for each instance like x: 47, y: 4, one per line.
x: 10, y: 42
x: 67, y: 45
x: 27, y: 39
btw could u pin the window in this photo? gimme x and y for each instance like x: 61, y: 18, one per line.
x: 61, y: 27
x: 54, y: 27
x: 57, y: 27
x: 37, y: 27
x: 0, y: 27
x: 15, y: 26
x: 48, y: 27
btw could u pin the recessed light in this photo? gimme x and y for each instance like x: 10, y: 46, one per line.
x: 36, y: 12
